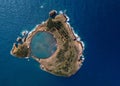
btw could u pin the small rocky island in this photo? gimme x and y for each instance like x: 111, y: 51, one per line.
x: 67, y: 59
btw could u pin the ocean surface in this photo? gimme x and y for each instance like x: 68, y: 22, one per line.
x: 97, y: 22
x: 43, y: 45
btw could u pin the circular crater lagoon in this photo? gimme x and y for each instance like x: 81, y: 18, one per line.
x: 43, y: 45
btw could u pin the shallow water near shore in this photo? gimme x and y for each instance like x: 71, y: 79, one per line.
x: 43, y: 45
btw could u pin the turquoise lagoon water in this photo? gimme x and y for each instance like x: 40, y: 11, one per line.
x: 43, y: 45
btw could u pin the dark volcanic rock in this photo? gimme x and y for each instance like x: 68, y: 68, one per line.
x: 52, y: 13
x: 19, y: 39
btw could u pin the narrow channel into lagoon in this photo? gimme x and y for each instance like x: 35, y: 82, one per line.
x: 43, y: 45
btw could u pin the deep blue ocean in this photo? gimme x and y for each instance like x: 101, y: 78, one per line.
x: 97, y: 22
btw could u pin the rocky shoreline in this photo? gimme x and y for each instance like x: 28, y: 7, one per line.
x: 66, y: 60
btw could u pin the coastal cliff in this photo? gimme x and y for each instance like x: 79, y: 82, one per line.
x: 67, y: 59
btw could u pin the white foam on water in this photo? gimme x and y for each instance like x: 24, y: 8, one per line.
x: 33, y: 29
x: 42, y: 6
x: 83, y: 44
x: 68, y: 19
x: 27, y: 58
x: 83, y: 58
x: 42, y: 22
x: 76, y: 35
x: 60, y: 12
x: 24, y: 32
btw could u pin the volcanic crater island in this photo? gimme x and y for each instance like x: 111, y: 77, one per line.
x: 53, y: 44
